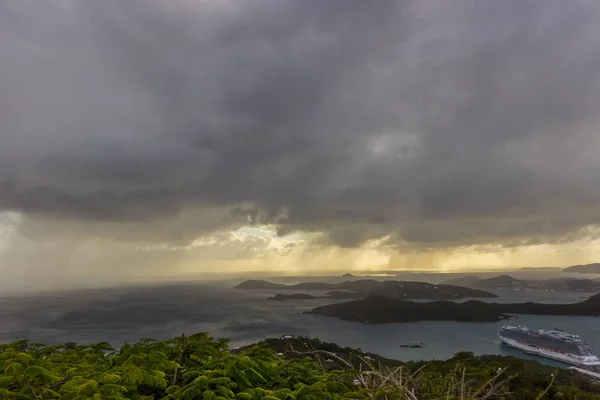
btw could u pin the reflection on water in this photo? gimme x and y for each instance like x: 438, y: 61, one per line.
x: 128, y: 314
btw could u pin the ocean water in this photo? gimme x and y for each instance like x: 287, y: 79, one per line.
x: 127, y: 314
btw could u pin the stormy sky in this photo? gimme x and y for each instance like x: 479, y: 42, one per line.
x: 139, y: 136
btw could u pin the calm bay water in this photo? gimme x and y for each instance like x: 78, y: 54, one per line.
x: 128, y: 314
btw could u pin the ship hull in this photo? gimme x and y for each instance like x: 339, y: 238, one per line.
x: 570, y: 359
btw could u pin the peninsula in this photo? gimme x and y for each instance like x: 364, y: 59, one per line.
x: 584, y: 269
x: 567, y: 284
x: 383, y: 309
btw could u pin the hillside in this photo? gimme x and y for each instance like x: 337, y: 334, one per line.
x: 300, y: 347
x: 381, y: 309
x: 584, y: 269
x: 200, y: 367
x: 366, y: 287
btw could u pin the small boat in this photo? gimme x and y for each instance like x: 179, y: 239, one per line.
x: 412, y: 345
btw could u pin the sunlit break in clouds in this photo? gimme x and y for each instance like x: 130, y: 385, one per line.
x: 151, y: 138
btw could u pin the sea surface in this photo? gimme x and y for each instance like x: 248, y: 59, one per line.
x: 127, y: 314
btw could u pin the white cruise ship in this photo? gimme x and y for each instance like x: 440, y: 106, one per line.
x: 555, y: 344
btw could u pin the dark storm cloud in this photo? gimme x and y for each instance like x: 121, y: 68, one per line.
x: 440, y: 123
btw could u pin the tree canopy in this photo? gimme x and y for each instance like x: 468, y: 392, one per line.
x: 202, y: 367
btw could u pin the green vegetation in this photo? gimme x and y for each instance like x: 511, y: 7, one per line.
x: 200, y: 367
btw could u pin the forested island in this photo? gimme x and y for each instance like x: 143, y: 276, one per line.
x: 367, y: 287
x: 201, y: 367
x: 384, y: 309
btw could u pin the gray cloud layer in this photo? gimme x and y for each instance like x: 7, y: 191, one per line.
x: 440, y: 123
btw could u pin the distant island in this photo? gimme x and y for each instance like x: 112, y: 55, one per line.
x: 260, y: 284
x: 472, y: 281
x: 348, y: 275
x: 383, y: 309
x: 294, y: 296
x: 334, y: 294
x: 462, y: 280
x: 584, y: 269
x: 367, y: 287
x: 495, y: 282
x: 507, y: 281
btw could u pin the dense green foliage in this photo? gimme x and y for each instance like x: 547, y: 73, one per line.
x: 200, y: 367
